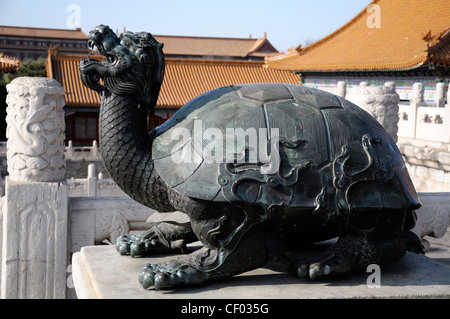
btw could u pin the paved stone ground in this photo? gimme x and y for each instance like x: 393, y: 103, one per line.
x: 439, y: 248
x: 438, y: 251
x: 99, y: 270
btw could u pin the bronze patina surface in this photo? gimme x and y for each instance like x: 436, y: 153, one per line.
x: 259, y: 169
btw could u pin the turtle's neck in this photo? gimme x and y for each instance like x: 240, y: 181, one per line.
x: 126, y: 150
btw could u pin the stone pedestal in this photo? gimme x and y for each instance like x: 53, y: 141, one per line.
x: 100, y: 272
x: 34, y: 254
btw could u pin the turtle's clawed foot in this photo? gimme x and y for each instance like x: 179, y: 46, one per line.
x: 149, y: 242
x: 350, y: 254
x: 338, y: 259
x: 329, y: 263
x: 170, y: 274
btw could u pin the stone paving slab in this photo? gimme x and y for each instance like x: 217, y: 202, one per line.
x: 100, y: 272
x: 439, y: 248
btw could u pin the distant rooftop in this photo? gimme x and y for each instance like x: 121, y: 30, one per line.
x: 216, y: 46
x: 76, y: 34
x: 175, y: 46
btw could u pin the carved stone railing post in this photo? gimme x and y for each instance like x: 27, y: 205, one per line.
x: 342, y: 89
x: 379, y: 101
x: 446, y: 120
x: 448, y: 95
x: 414, y: 104
x: 94, y: 149
x: 35, y: 218
x: 440, y: 94
x: 69, y: 149
x: 91, y: 181
x: 418, y: 93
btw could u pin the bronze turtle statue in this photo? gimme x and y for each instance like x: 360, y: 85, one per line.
x: 257, y: 168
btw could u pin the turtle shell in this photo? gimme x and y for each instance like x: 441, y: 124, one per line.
x: 282, y: 145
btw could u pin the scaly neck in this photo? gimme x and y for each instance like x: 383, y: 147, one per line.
x: 125, y: 145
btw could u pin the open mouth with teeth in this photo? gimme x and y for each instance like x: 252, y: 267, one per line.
x: 97, y: 37
x: 94, y: 43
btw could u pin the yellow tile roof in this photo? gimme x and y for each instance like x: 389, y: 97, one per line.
x: 64, y: 68
x: 184, y: 78
x: 410, y: 34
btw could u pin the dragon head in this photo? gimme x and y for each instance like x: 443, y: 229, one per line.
x: 134, y: 65
x: 103, y: 38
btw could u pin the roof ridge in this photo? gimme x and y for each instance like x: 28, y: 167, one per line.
x: 197, y: 61
x: 442, y: 42
x: 338, y: 31
x: 440, y: 39
x: 43, y: 32
x: 36, y: 28
x: 206, y: 37
x: 259, y: 44
x: 75, y: 56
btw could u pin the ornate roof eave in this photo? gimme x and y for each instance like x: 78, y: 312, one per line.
x: 8, y: 64
x: 425, y: 69
x: 362, y: 70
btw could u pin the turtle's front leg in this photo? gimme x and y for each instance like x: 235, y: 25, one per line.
x: 206, y: 265
x: 183, y: 271
x: 162, y: 237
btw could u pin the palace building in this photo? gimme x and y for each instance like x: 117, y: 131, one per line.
x: 32, y: 43
x: 390, y: 40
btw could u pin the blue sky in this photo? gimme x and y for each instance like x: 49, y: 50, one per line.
x: 288, y: 23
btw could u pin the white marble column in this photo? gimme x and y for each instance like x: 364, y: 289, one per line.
x: 34, y: 248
